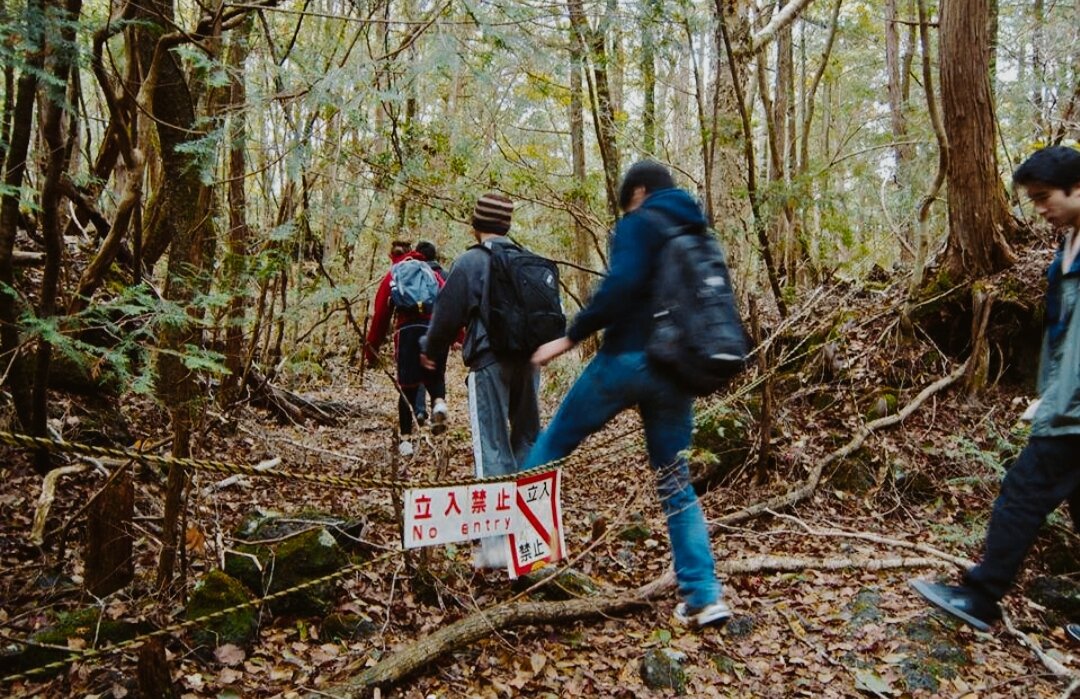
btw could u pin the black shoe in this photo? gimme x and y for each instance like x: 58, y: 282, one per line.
x: 964, y: 603
x: 1072, y: 632
x: 421, y: 418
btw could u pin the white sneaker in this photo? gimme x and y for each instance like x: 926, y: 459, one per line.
x: 715, y: 613
x: 405, y: 448
x: 439, y: 413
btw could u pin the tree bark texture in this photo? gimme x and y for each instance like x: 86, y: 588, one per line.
x: 60, y: 49
x: 979, y: 219
x: 107, y: 558
x: 14, y: 174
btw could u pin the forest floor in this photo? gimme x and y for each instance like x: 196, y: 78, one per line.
x: 819, y: 612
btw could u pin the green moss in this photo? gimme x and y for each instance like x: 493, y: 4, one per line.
x: 215, y: 592
x: 285, y: 564
x: 87, y: 624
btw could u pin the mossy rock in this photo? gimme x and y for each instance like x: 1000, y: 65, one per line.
x: 284, y: 564
x: 636, y: 532
x: 855, y: 474
x: 662, y: 668
x: 215, y: 592
x: 347, y: 627
x: 251, y: 523
x: 720, y: 444
x: 933, y: 653
x: 881, y: 405
x: 865, y: 607
x: 88, y: 625
x: 263, y: 524
x: 740, y: 626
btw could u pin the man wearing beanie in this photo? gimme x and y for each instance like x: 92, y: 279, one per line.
x: 620, y: 377
x: 503, y: 411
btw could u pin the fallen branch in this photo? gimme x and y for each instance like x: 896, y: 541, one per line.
x: 808, y: 486
x: 1051, y: 664
x: 877, y: 539
x: 508, y: 614
x: 231, y: 480
x: 45, y: 500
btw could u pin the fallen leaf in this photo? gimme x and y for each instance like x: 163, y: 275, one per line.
x: 194, y: 540
x: 537, y: 662
x: 229, y: 654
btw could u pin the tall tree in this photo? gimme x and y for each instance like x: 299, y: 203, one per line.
x: 979, y: 218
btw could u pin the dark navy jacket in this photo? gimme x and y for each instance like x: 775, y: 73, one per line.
x: 623, y: 303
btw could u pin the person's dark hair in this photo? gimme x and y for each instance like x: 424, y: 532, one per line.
x: 427, y: 249
x: 1057, y: 166
x: 648, y: 173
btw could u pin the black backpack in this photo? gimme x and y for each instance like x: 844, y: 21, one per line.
x: 697, y: 337
x: 520, y: 308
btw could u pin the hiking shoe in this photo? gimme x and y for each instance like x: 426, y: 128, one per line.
x: 405, y: 448
x: 421, y: 418
x: 963, y: 602
x: 716, y: 613
x: 1072, y: 632
x: 438, y: 417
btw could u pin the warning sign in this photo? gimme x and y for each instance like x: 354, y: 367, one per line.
x: 459, y: 513
x: 540, y: 538
x: 527, y: 509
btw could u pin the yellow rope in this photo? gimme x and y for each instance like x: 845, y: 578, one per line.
x: 96, y: 653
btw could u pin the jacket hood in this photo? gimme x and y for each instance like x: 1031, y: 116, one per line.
x: 410, y: 255
x: 677, y: 205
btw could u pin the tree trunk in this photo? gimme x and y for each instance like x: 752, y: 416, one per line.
x: 234, y: 280
x: 979, y: 219
x: 22, y: 118
x: 592, y: 46
x: 107, y: 558
x: 578, y: 199
x: 52, y: 128
x: 181, y: 219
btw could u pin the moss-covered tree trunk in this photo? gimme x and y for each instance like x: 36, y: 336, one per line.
x: 181, y: 220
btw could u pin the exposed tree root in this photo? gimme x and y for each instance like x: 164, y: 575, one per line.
x: 808, y: 486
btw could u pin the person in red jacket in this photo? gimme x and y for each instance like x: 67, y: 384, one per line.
x: 409, y: 326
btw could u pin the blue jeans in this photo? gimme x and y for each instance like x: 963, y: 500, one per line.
x: 610, y: 384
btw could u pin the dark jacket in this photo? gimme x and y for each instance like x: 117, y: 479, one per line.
x: 458, y: 306
x: 623, y: 302
x: 1058, y: 413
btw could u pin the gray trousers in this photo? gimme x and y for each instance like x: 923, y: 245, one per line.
x: 503, y: 415
x: 505, y: 420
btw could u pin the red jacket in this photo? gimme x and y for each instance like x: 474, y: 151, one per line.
x: 384, y: 309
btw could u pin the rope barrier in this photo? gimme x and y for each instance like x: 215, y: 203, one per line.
x: 95, y: 653
x: 222, y: 467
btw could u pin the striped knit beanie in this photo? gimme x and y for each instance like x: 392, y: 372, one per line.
x: 492, y: 214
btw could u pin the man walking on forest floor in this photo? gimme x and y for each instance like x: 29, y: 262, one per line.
x: 1047, y: 472
x: 408, y: 297
x: 620, y: 377
x: 503, y: 411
